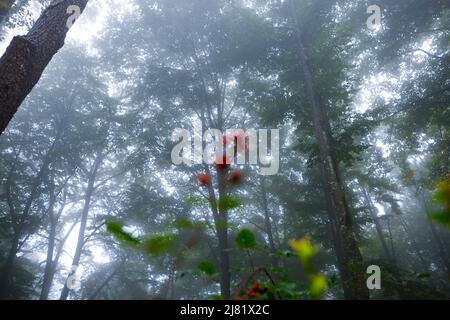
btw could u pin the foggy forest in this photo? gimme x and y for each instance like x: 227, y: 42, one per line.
x: 224, y: 149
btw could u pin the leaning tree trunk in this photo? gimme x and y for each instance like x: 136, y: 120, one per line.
x: 27, y: 56
x: 356, y: 287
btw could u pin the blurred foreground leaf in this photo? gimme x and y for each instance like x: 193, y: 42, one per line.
x: 246, y: 239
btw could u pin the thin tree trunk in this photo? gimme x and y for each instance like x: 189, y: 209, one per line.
x: 356, y: 287
x: 441, y: 248
x: 8, y: 267
x: 46, y: 283
x: 49, y: 264
x: 222, y: 232
x: 27, y: 56
x: 84, y: 218
x: 106, y: 281
x: 268, y: 223
x: 376, y: 221
x: 19, y: 221
x: 414, y: 243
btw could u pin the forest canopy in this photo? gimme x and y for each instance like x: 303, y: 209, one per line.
x: 224, y: 149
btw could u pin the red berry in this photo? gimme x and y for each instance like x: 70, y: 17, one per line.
x: 236, y: 177
x: 204, y: 179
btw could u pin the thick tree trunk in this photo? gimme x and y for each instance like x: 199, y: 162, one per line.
x: 268, y: 223
x: 27, y: 56
x: 84, y: 218
x: 356, y: 287
x: 336, y: 237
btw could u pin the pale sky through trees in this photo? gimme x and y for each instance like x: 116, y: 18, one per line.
x: 87, y: 178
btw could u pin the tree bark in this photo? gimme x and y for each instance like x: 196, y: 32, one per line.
x: 50, y: 264
x: 268, y: 223
x: 27, y: 56
x: 106, y: 281
x: 376, y: 221
x: 84, y: 218
x: 441, y: 248
x: 20, y: 221
x: 8, y: 267
x: 356, y: 287
x: 46, y: 283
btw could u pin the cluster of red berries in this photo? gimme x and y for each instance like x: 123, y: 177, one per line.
x: 254, y: 292
x: 223, y: 163
x: 235, y: 177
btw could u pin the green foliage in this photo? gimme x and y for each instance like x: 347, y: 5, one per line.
x: 116, y: 229
x: 318, y: 284
x: 245, y: 239
x: 423, y: 275
x: 229, y: 202
x: 207, y: 267
x: 159, y: 245
x: 196, y: 201
x: 441, y: 198
x: 184, y: 224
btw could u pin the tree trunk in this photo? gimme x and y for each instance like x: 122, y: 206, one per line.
x: 46, y: 283
x: 222, y: 232
x: 50, y: 264
x: 415, y: 245
x: 336, y: 238
x: 84, y: 218
x: 268, y: 228
x: 27, y: 56
x: 8, y: 267
x: 441, y: 248
x: 19, y: 221
x: 106, y: 281
x: 376, y: 221
x: 356, y: 287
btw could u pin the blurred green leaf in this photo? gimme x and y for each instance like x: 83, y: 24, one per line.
x: 207, y: 267
x: 229, y: 202
x: 116, y: 229
x: 423, y: 275
x: 183, y: 224
x: 160, y: 244
x: 318, y: 286
x: 442, y: 217
x: 196, y: 201
x: 246, y: 239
